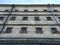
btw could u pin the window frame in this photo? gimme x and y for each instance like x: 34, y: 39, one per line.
x: 23, y: 30
x: 37, y: 18
x: 25, y: 18
x: 35, y: 10
x: 1, y: 18
x: 54, y: 31
x: 39, y: 30
x: 49, y: 18
x: 13, y: 18
x: 26, y: 10
x: 8, y: 30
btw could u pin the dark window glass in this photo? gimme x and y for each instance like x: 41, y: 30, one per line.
x: 8, y: 30
x: 45, y: 10
x: 25, y: 10
x: 39, y: 30
x: 54, y: 30
x: 16, y: 10
x: 13, y: 18
x: 1, y: 18
x: 25, y: 18
x: 55, y: 10
x: 37, y: 19
x: 49, y: 18
x: 23, y: 30
x: 6, y: 10
x: 35, y: 10
x: 59, y: 18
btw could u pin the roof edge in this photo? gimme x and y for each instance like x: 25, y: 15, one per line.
x: 29, y: 4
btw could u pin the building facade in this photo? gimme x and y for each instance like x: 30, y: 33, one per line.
x: 30, y: 24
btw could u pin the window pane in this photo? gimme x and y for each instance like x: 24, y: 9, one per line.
x: 1, y: 18
x: 39, y: 30
x: 8, y: 30
x: 6, y: 10
x: 25, y: 18
x: 23, y: 30
x: 26, y: 10
x: 49, y: 18
x: 13, y: 18
x: 54, y: 30
x: 55, y: 10
x: 16, y: 10
x: 37, y: 19
x: 45, y: 10
x: 35, y: 10
x: 59, y: 18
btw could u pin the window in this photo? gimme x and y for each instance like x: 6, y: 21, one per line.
x: 25, y: 18
x: 26, y: 10
x: 49, y: 18
x: 45, y: 10
x: 23, y: 30
x: 8, y: 30
x: 59, y: 18
x: 16, y: 10
x: 54, y: 30
x: 1, y: 18
x: 35, y: 10
x: 55, y: 10
x: 6, y: 10
x: 39, y: 30
x: 37, y: 19
x: 13, y: 18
